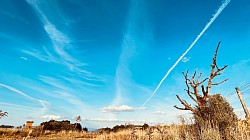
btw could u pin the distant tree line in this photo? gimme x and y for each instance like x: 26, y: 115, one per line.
x: 54, y: 125
x: 123, y: 127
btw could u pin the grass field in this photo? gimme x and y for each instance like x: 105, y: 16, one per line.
x: 181, y: 131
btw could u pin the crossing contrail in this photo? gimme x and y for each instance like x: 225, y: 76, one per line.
x: 224, y: 4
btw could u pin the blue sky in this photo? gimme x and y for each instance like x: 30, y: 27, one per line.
x: 103, y: 60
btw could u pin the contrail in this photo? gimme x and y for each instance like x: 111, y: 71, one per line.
x: 224, y: 4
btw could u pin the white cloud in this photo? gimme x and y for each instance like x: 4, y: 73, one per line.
x: 24, y: 58
x: 159, y: 112
x: 54, y: 117
x: 122, y: 108
x: 185, y: 59
x: 116, y: 120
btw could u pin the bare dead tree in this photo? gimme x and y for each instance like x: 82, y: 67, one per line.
x: 194, y: 83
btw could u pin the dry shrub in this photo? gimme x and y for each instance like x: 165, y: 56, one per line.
x: 210, y: 134
x: 218, y: 115
x: 242, y: 131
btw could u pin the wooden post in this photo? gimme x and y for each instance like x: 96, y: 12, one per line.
x: 243, y: 103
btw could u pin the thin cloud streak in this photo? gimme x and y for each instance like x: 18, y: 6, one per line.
x: 116, y: 120
x: 43, y: 55
x: 131, y: 41
x: 122, y: 71
x: 60, y: 40
x: 122, y: 108
x: 43, y: 103
x: 16, y: 106
x: 224, y: 4
x: 63, y: 92
x: 159, y: 112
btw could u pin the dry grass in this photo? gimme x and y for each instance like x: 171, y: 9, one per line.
x: 182, y: 131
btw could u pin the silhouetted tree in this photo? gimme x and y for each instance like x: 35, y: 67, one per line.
x: 85, y: 129
x: 145, y: 126
x: 209, y: 109
x: 3, y: 114
x: 78, y: 127
x: 57, y: 125
x: 193, y: 84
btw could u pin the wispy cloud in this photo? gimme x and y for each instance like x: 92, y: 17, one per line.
x: 16, y: 106
x: 64, y: 92
x: 11, y: 15
x: 53, y: 117
x: 116, y: 120
x: 24, y: 58
x: 224, y: 4
x: 37, y: 54
x: 159, y: 112
x: 185, y: 59
x: 130, y: 44
x: 60, y: 41
x: 123, y: 73
x: 122, y: 108
x: 53, y: 82
x: 43, y: 103
x: 55, y: 34
x: 77, y: 82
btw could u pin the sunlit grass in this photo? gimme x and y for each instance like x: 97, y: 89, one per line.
x: 182, y: 131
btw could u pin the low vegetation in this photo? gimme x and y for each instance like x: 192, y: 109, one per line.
x: 182, y: 131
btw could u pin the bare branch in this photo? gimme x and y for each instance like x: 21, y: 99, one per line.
x: 187, y: 82
x: 197, y: 80
x: 215, y: 55
x: 216, y: 65
x: 193, y: 77
x: 203, y: 90
x: 185, y: 104
x: 188, y: 91
x: 185, y: 75
x: 189, y: 94
x: 221, y: 69
x: 180, y: 108
x: 218, y: 71
x: 203, y: 81
x: 214, y: 84
x: 217, y: 74
x: 214, y: 73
